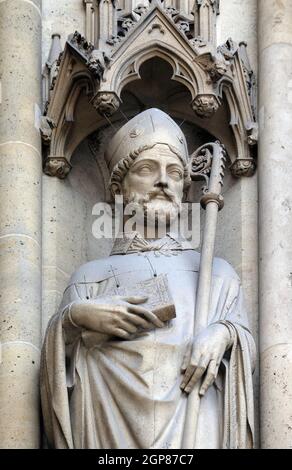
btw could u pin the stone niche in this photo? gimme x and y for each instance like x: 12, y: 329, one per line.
x: 155, y: 56
x: 68, y: 241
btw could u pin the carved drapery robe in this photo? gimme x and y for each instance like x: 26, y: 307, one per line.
x: 126, y: 393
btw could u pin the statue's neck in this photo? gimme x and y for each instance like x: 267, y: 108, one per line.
x: 150, y: 232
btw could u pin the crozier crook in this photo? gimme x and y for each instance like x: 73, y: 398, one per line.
x: 207, y: 163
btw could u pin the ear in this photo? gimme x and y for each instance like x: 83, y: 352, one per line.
x: 116, y: 188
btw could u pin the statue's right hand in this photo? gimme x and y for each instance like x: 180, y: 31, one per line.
x: 123, y: 318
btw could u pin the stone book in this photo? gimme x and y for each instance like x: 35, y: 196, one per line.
x: 156, y: 290
x: 159, y: 301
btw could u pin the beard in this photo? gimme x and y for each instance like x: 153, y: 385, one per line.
x: 160, y: 207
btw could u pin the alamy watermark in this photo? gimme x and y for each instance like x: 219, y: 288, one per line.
x: 112, y: 220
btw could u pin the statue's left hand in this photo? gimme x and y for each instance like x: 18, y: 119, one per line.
x: 205, y: 357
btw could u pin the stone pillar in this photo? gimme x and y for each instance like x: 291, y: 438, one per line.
x: 275, y: 221
x: 89, y: 21
x: 20, y: 222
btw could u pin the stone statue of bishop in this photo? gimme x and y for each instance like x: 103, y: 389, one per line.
x: 115, y: 373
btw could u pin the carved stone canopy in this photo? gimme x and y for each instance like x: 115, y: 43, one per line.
x: 215, y: 87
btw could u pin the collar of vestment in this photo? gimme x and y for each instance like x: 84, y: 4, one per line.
x: 133, y: 242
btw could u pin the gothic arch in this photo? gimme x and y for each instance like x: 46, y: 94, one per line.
x: 218, y: 79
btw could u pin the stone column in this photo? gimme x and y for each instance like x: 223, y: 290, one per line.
x: 20, y: 222
x: 89, y: 21
x: 275, y: 221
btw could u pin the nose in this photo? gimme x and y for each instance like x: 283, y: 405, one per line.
x: 162, y: 181
x: 161, y: 185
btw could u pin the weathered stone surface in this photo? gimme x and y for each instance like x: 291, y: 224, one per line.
x: 63, y: 18
x: 20, y: 181
x: 275, y: 223
x: 275, y: 23
x: 20, y: 37
x: 20, y: 261
x: 276, y: 397
x: 244, y: 28
x: 20, y: 222
x: 19, y: 397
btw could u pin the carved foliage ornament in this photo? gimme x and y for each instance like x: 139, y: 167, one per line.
x: 215, y: 66
x: 57, y: 166
x: 228, y: 49
x: 97, y: 63
x: 106, y: 103
x: 205, y: 106
x: 242, y: 167
x: 81, y: 44
x: 46, y: 128
x: 208, y: 163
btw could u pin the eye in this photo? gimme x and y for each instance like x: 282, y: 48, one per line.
x: 175, y: 173
x: 145, y: 169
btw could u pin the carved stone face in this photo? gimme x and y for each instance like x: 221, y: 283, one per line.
x: 156, y: 181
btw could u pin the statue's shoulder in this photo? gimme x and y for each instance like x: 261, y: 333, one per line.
x: 221, y: 267
x: 224, y: 269
x: 93, y: 271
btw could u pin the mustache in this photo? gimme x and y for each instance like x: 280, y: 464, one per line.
x: 143, y: 200
x: 161, y: 191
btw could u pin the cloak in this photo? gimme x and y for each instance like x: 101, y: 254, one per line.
x: 125, y: 394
